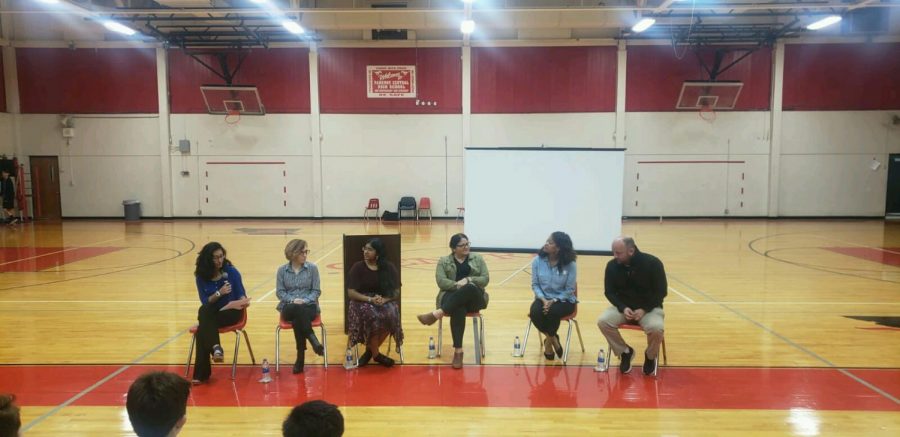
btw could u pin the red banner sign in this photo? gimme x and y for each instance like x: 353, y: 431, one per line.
x: 391, y: 81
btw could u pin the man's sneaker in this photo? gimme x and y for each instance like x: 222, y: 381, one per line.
x: 625, y: 360
x: 650, y: 366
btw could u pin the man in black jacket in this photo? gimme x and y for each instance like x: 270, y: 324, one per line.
x: 635, y: 286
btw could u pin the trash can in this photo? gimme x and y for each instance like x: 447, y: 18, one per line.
x: 132, y: 209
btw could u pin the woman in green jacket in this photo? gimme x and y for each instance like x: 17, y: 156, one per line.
x: 461, y: 277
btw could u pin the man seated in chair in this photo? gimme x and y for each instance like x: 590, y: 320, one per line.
x: 635, y: 286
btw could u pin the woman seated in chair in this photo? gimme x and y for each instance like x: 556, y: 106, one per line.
x: 553, y: 275
x: 461, y: 278
x: 298, y: 290
x: 373, y: 287
x: 223, y: 300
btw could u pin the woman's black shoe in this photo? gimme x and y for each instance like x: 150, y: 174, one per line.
x: 317, y: 347
x: 364, y: 358
x: 384, y: 360
x: 298, y: 365
x: 557, y: 346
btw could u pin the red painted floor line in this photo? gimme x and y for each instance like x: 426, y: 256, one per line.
x: 35, y: 259
x: 486, y: 386
x: 885, y: 255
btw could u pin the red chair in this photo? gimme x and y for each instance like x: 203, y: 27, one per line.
x: 571, y: 320
x: 477, y: 332
x: 374, y: 204
x: 424, y: 204
x: 460, y: 213
x: 635, y: 327
x: 284, y: 324
x: 238, y: 329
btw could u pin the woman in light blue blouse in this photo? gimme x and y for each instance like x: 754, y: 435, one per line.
x: 553, y: 275
x: 298, y: 290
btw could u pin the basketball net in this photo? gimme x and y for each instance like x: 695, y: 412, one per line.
x: 707, y: 113
x: 232, y: 116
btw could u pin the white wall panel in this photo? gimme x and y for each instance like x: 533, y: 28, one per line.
x: 832, y: 185
x: 533, y: 130
x: 94, y: 135
x: 254, y: 187
x: 695, y: 185
x: 349, y: 182
x: 7, y: 147
x: 95, y: 186
x: 269, y: 135
x: 686, y: 133
x: 391, y: 135
x: 838, y: 132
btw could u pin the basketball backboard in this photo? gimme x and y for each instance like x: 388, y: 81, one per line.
x: 698, y: 95
x: 228, y: 100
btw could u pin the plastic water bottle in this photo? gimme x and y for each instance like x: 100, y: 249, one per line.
x: 602, y: 365
x: 517, y: 347
x: 349, y: 362
x: 266, y: 377
x: 432, y: 352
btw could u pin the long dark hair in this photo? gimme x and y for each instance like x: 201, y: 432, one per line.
x: 206, y: 269
x: 386, y: 280
x: 567, y: 253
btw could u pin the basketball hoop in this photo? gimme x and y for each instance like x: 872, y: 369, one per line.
x: 233, y: 116
x: 708, y: 113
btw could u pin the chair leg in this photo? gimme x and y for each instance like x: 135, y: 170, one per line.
x: 440, y: 343
x: 324, y: 343
x: 482, y: 335
x: 665, y: 359
x: 525, y: 340
x: 475, y: 332
x: 249, y: 349
x: 237, y: 345
x: 578, y: 329
x: 401, y: 354
x: 568, y: 343
x: 187, y: 367
x: 277, y: 348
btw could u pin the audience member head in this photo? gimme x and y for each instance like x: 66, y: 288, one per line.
x: 10, y: 421
x: 156, y: 404
x: 210, y: 261
x: 559, y: 245
x: 4, y: 173
x: 314, y: 419
x: 295, y: 248
x: 623, y: 248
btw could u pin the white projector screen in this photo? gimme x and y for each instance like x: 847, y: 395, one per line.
x: 516, y: 197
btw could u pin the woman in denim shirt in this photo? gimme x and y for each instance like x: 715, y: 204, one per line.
x: 553, y: 276
x: 298, y: 290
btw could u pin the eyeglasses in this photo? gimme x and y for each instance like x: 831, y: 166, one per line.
x: 367, y: 249
x: 464, y: 245
x: 303, y: 252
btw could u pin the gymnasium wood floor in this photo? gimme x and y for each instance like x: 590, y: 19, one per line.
x: 773, y: 328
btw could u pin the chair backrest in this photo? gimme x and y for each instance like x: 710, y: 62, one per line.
x: 374, y: 203
x: 575, y: 311
x: 407, y: 202
x: 425, y: 203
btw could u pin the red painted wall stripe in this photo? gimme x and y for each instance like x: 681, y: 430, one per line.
x: 244, y: 163
x: 543, y: 79
x: 691, y: 162
x: 342, y: 80
x: 280, y: 75
x: 831, y: 77
x: 655, y: 75
x: 87, y: 81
